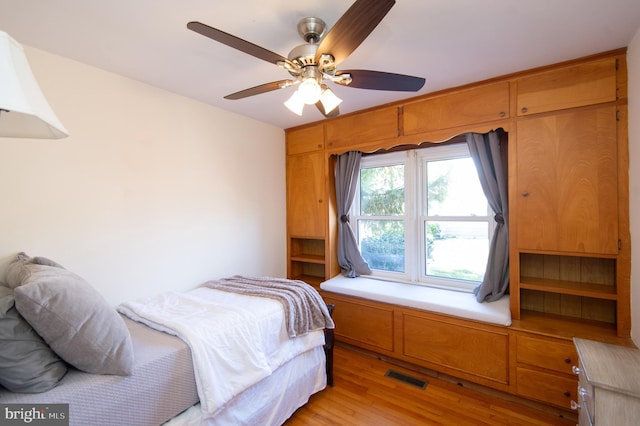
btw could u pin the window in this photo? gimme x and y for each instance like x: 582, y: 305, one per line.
x: 421, y: 216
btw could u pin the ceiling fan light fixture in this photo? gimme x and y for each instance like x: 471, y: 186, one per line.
x: 295, y: 103
x: 309, y: 91
x: 329, y: 100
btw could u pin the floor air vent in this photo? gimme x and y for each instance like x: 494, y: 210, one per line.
x: 405, y: 378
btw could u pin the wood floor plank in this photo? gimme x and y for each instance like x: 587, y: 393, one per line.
x: 363, y: 395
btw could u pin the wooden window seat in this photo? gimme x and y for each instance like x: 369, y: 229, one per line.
x: 450, y: 302
x: 443, y: 330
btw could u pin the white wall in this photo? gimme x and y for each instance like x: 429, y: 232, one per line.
x: 152, y: 191
x: 633, y: 69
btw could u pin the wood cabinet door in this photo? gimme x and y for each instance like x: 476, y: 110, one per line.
x: 567, y: 182
x: 360, y: 128
x: 476, y: 105
x: 568, y: 87
x: 456, y: 347
x: 363, y: 323
x: 306, y: 206
x: 305, y: 139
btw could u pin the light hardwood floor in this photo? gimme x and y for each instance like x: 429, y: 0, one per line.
x: 362, y: 395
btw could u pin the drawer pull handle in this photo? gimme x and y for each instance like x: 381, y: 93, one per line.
x: 576, y: 370
x: 567, y: 394
x: 567, y: 360
x: 574, y: 405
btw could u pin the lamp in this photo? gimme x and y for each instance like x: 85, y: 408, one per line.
x: 24, y: 111
x: 310, y: 92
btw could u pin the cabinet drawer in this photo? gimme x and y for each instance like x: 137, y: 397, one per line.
x: 476, y: 105
x: 568, y: 87
x: 549, y: 354
x: 546, y: 387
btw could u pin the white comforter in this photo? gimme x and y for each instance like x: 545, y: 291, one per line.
x: 235, y: 340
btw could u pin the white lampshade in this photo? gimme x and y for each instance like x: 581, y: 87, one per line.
x: 295, y: 103
x: 24, y: 111
x: 309, y: 91
x: 329, y: 100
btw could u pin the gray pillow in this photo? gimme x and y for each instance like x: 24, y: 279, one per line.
x: 16, y: 271
x: 74, y: 319
x: 27, y: 364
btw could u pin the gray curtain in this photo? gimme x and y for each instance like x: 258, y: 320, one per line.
x: 346, y: 174
x: 488, y: 152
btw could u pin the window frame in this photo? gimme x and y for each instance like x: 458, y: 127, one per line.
x: 415, y: 213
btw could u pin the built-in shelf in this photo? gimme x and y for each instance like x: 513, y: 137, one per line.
x: 310, y: 279
x: 569, y: 288
x: 307, y: 260
x: 563, y: 326
x: 310, y: 258
x: 575, y: 288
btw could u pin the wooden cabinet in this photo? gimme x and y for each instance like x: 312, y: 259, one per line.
x: 568, y: 222
x: 488, y: 102
x: 587, y: 83
x: 566, y: 218
x: 461, y: 348
x: 544, y: 369
x: 306, y: 204
x: 567, y: 182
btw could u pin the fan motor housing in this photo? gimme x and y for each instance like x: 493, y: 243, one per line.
x: 303, y: 55
x: 311, y: 29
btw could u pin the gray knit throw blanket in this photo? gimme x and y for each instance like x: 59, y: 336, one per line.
x: 303, y: 306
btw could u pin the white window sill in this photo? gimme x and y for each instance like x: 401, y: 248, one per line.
x: 443, y: 301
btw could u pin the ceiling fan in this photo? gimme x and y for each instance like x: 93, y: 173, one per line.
x: 316, y: 61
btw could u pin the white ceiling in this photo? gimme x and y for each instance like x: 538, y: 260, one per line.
x: 448, y: 42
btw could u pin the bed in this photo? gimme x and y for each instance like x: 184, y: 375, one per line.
x: 176, y: 377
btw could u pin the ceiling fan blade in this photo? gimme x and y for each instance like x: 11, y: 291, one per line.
x: 333, y: 113
x: 238, y: 43
x: 353, y: 27
x: 378, y: 80
x: 257, y: 90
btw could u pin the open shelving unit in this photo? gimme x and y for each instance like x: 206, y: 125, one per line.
x: 307, y: 260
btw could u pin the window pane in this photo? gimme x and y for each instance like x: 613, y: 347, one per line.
x: 454, y: 189
x: 382, y: 191
x: 457, y: 250
x: 382, y: 244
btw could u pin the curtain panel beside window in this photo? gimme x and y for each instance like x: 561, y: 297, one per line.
x: 347, y: 171
x: 486, y: 152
